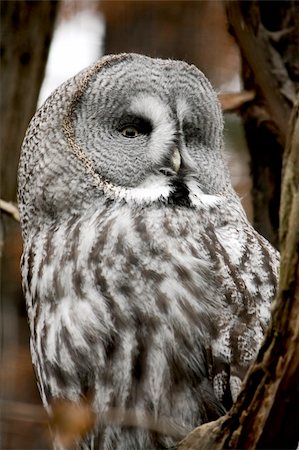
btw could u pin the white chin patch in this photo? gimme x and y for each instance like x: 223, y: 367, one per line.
x: 158, y: 187
x: 153, y: 188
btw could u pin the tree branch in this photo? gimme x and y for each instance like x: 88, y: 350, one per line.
x: 269, y: 73
x: 232, y: 101
x: 10, y: 209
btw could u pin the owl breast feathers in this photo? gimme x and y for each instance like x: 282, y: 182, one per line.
x: 147, y: 289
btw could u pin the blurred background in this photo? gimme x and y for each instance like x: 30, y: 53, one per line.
x: 248, y: 50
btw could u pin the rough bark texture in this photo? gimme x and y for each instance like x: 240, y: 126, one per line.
x: 26, y: 30
x: 265, y: 415
x: 268, y: 37
x: 282, y: 422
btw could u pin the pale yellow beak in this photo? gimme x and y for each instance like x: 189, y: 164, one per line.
x: 175, y: 160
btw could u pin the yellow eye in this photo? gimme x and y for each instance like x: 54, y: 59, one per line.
x: 130, y: 132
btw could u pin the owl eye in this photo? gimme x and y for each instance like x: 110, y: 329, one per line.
x: 130, y: 131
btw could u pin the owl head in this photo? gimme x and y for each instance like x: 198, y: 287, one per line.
x: 128, y: 127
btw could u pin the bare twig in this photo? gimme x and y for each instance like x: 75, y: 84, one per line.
x: 10, y: 209
x: 133, y: 418
x: 232, y: 101
x: 72, y: 419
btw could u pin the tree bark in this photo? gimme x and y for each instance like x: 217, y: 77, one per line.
x: 268, y: 36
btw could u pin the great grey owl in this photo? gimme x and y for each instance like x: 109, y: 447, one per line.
x: 146, y: 287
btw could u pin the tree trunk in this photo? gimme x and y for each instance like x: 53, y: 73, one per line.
x: 268, y: 37
x: 26, y: 30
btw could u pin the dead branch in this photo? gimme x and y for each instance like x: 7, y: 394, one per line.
x: 10, y: 209
x: 232, y: 101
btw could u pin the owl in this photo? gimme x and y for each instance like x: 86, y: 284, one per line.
x: 147, y: 289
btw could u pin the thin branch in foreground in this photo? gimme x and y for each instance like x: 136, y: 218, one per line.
x: 70, y: 421
x: 10, y: 209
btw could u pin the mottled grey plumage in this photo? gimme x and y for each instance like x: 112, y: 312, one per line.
x: 147, y: 289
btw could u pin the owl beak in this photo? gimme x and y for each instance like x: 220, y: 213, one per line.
x: 175, y: 160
